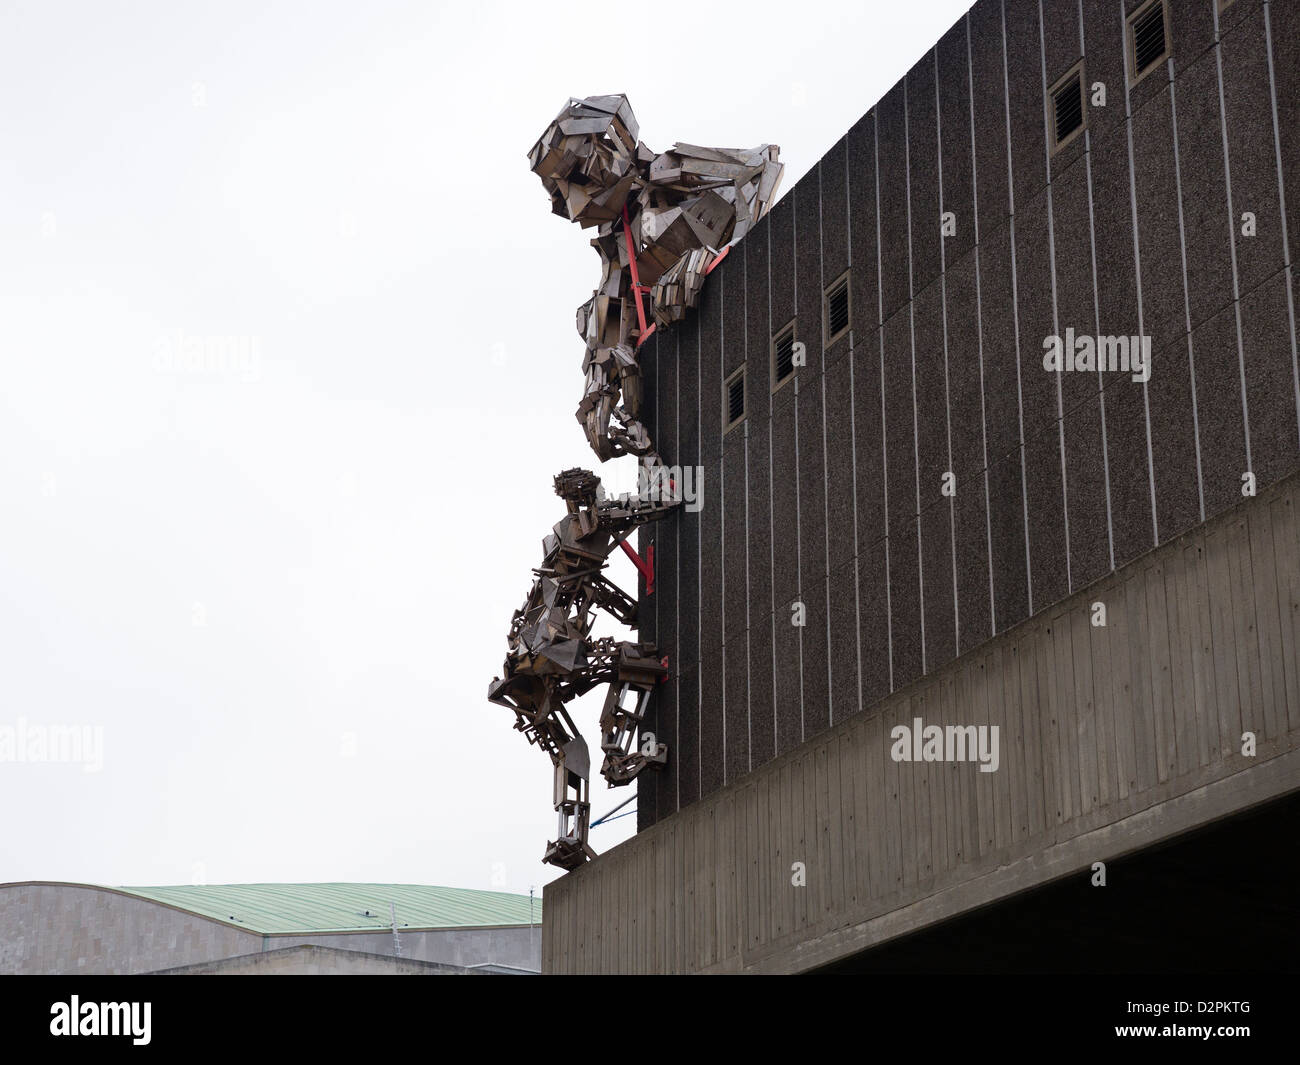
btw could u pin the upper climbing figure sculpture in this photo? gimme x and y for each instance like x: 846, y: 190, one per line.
x: 664, y: 219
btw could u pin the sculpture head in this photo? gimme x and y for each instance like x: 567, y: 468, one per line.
x: 589, y: 159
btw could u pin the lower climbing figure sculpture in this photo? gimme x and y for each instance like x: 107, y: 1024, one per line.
x: 663, y: 222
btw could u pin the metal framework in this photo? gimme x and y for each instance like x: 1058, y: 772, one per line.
x: 663, y: 221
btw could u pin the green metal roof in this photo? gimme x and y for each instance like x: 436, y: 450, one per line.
x: 305, y: 908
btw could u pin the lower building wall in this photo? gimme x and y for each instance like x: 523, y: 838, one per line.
x: 1111, y: 738
x: 70, y: 928
x: 75, y: 928
x: 516, y: 947
x: 310, y: 960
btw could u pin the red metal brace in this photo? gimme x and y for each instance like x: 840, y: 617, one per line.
x: 647, y: 568
x: 637, y: 287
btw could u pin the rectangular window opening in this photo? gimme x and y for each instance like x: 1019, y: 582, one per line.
x: 837, y: 309
x: 1148, y: 38
x: 1068, y: 114
x: 783, y: 356
x: 734, y: 398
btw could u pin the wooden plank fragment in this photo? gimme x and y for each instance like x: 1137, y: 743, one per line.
x: 1227, y: 693
x: 1063, y: 705
x: 1286, y: 557
x: 893, y: 817
x: 1178, y: 599
x: 1204, y: 683
x: 1264, y: 578
x: 1162, y: 681
x: 834, y: 837
x: 1013, y: 746
x: 919, y: 772
x: 984, y: 784
x: 873, y: 812
x: 1245, y: 629
x: 1119, y: 624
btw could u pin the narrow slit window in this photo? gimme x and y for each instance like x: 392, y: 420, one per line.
x: 1067, y: 108
x: 1148, y: 38
x: 837, y: 309
x: 783, y: 356
x: 734, y: 397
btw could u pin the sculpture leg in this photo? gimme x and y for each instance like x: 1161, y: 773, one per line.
x: 624, y: 713
x: 573, y: 806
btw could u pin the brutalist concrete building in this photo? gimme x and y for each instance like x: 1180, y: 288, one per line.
x: 997, y: 418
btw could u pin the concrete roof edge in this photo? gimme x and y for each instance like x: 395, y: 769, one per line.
x: 130, y: 894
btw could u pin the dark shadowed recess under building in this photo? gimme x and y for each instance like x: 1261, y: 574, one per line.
x: 1221, y: 900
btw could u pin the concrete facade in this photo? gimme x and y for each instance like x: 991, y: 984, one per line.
x: 314, y: 960
x: 519, y: 947
x: 1115, y: 738
x: 72, y: 928
x: 827, y: 499
x: 79, y: 928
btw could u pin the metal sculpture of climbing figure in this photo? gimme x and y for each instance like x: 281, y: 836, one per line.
x: 663, y: 221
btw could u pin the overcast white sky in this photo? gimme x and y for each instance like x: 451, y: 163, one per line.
x: 279, y: 583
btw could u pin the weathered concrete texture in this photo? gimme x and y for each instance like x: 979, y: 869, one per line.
x: 312, y: 960
x: 81, y: 928
x: 1111, y: 738
x: 515, y: 946
x: 75, y: 928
